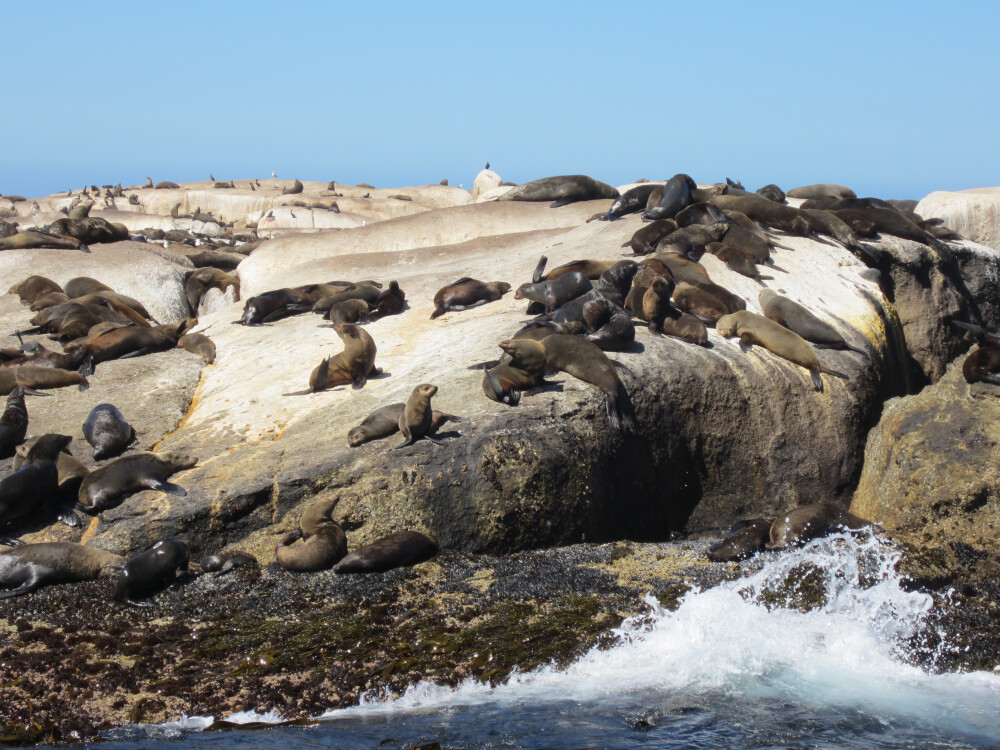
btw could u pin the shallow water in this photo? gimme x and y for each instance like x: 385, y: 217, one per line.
x: 733, y: 666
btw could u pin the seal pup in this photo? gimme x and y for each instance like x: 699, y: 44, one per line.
x: 608, y: 324
x: 384, y: 422
x: 124, y: 476
x: 467, y: 293
x: 354, y: 365
x: 417, y: 417
x: 756, y: 329
x: 397, y: 550
x: 663, y: 317
x: 13, y: 423
x: 982, y: 365
x: 735, y: 260
x: 31, y: 566
x: 799, y: 525
x: 149, y: 572
x: 107, y: 431
x: 797, y: 318
x: 703, y: 305
x: 34, y: 485
x: 221, y: 564
x: 744, y: 539
x: 324, y: 542
x: 522, y: 369
x: 561, y: 190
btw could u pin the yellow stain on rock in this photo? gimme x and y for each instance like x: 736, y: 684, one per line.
x: 91, y: 530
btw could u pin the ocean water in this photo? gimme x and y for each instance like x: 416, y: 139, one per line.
x: 732, y: 667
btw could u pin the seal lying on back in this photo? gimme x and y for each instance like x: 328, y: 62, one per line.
x: 129, y: 474
x: 150, y: 572
x: 384, y: 422
x: 31, y: 566
x: 756, y: 329
x: 561, y: 190
x: 467, y: 293
x: 324, y: 541
x: 397, y: 550
x: 743, y: 540
x: 107, y: 431
x: 806, y: 522
x: 795, y: 317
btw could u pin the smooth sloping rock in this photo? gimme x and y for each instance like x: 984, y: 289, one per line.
x: 974, y: 214
x: 932, y: 465
x: 485, y: 181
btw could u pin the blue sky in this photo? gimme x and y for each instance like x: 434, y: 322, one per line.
x: 894, y: 99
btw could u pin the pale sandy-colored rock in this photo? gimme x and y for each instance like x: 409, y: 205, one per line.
x: 485, y: 181
x: 974, y: 213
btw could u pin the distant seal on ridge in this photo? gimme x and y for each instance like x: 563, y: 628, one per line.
x: 561, y: 190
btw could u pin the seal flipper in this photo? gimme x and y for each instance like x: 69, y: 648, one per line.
x: 746, y: 342
x: 536, y: 276
x: 562, y: 202
x: 167, y: 487
x: 817, y: 381
x: 68, y: 516
x: 624, y: 409
x: 25, y: 588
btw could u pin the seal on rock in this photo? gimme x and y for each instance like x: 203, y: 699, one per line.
x: 756, y: 329
x: 200, y: 344
x: 417, y: 417
x: 795, y: 317
x: 129, y: 474
x: 744, y: 539
x: 561, y: 190
x: 107, y: 431
x: 354, y: 365
x: 822, y: 190
x: 397, y: 550
x: 467, y: 293
x: 384, y: 422
x: 324, y: 542
x: 35, y: 484
x: 13, y: 423
x: 149, y: 572
x: 31, y: 566
x: 799, y: 525
x: 34, y: 287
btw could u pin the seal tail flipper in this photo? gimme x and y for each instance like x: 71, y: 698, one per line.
x: 167, y: 487
x: 817, y: 381
x: 626, y: 411
x: 835, y: 373
x: 25, y: 588
x: 9, y: 541
x: 87, y: 365
x: 536, y: 276
x: 33, y: 392
x: 306, y: 392
x: 623, y: 368
x: 562, y: 202
x: 716, y: 214
x: 84, y: 385
x: 438, y: 312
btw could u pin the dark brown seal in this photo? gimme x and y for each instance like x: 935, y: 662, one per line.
x: 35, y: 485
x: 663, y: 317
x: 822, y: 190
x: 397, y: 550
x: 274, y: 305
x: 799, y: 525
x: 391, y: 301
x: 561, y: 190
x: 349, y: 311
x: 31, y: 566
x: 644, y: 241
x: 107, y: 431
x: 149, y: 572
x: 13, y: 423
x: 467, y: 293
x: 768, y: 212
x: 324, y: 542
x: 557, y: 292
x: 744, y: 539
x: 103, y: 487
x: 609, y: 325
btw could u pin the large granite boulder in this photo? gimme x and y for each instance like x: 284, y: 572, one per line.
x: 932, y: 465
x: 974, y: 214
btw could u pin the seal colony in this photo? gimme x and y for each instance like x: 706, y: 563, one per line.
x: 579, y: 310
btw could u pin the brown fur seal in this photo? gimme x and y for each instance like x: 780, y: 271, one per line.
x: 861, y: 224
x: 822, y: 190
x: 691, y: 240
x: 681, y: 267
x: 768, y: 212
x: 201, y: 280
x: 584, y: 360
x: 324, y: 541
x: 349, y: 311
x: 354, y: 365
x: 33, y: 378
x: 90, y: 231
x: 32, y: 238
x: 561, y: 190
x: 609, y: 325
x: 735, y: 259
x: 149, y: 572
x: 799, y: 525
x: 51, y: 299
x: 397, y: 550
x: 34, y: 287
x: 632, y: 201
x: 592, y: 269
x: 274, y: 305
x: 644, y: 241
x: 523, y: 369
x: 676, y: 195
x: 663, y: 317
x: 772, y: 192
x: 363, y: 291
x: 417, y: 417
x: 743, y: 540
x: 294, y: 189
x: 467, y: 293
x: 129, y: 474
x: 795, y: 317
x: 392, y: 301
x: 31, y: 566
x: 132, y: 341
x: 80, y: 210
x: 756, y: 329
x: 107, y: 431
x: 384, y: 422
x: 982, y: 365
x: 13, y: 423
x: 200, y: 344
x: 70, y: 471
x: 34, y: 485
x: 701, y: 304
x: 557, y: 292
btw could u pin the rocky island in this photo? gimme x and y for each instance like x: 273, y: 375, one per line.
x: 552, y: 519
